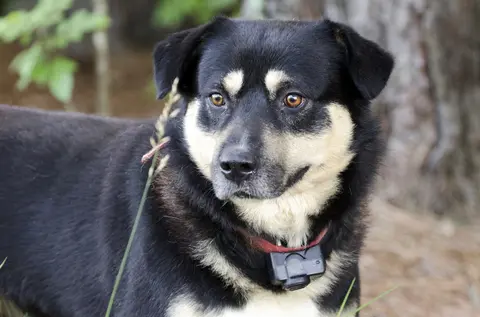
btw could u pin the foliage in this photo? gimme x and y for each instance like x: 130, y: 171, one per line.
x: 46, y: 31
x: 171, y: 12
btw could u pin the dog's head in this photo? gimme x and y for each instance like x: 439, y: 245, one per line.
x: 268, y: 120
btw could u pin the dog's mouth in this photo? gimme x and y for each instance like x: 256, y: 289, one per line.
x: 296, y: 177
x: 291, y: 181
x: 243, y: 195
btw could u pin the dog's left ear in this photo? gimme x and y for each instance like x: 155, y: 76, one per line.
x: 369, y: 65
x: 178, y: 56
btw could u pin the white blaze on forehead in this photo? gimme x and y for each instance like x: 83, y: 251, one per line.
x: 273, y: 80
x: 233, y: 82
x: 327, y: 152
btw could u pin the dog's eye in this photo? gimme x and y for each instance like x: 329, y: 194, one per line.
x: 217, y: 99
x: 293, y: 100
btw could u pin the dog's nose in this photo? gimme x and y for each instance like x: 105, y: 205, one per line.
x: 237, y: 164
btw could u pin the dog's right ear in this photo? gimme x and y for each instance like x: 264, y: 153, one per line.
x: 178, y: 55
x: 369, y: 65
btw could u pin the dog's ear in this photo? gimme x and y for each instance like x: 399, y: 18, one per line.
x: 178, y: 55
x: 369, y: 65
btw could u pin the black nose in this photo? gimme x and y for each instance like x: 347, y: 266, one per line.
x: 237, y: 164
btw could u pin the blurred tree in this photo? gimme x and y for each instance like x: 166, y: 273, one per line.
x: 102, y: 61
x: 49, y: 37
x: 137, y: 24
x: 130, y: 25
x: 45, y: 31
x: 252, y: 9
x: 171, y: 13
x: 294, y: 9
x: 431, y: 106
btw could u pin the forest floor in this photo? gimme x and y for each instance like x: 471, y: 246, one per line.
x: 435, y: 263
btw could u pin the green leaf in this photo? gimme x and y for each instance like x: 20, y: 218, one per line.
x: 26, y: 39
x: 79, y: 24
x: 170, y: 13
x: 13, y: 25
x: 49, y: 12
x: 41, y: 73
x: 102, y: 22
x: 62, y: 78
x: 3, y: 263
x: 24, y: 64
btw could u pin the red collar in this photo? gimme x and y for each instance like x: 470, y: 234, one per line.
x: 267, y: 247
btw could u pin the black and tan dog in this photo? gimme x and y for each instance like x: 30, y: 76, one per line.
x: 259, y: 211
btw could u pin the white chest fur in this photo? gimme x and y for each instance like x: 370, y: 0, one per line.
x: 298, y: 303
x: 262, y: 304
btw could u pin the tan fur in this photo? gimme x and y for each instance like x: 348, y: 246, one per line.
x: 328, y: 154
x: 233, y: 82
x: 202, y: 145
x: 273, y: 79
x: 208, y: 254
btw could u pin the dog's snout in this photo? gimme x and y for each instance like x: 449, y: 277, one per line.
x: 237, y: 164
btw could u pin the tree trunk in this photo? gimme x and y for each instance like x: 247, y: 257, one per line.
x: 102, y: 61
x: 294, y: 9
x: 430, y: 109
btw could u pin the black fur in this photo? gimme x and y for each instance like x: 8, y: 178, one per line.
x: 328, y: 62
x: 71, y: 183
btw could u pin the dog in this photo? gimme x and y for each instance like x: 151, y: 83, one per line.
x: 260, y: 209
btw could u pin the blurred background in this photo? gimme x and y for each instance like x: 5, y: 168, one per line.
x: 94, y: 56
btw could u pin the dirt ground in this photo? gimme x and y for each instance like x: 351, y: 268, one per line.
x: 435, y: 263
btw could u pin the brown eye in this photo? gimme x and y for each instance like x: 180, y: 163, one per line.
x: 217, y: 99
x: 293, y: 100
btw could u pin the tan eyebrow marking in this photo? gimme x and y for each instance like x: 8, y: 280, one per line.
x: 233, y: 82
x: 273, y: 79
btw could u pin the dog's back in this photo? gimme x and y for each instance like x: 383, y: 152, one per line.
x: 56, y: 172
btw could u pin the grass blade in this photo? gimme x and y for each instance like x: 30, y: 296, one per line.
x: 373, y: 300
x: 345, y: 299
x: 160, y: 127
x: 132, y: 235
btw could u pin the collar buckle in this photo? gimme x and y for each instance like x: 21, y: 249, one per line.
x: 292, y: 270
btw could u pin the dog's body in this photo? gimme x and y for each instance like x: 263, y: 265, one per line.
x: 274, y: 141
